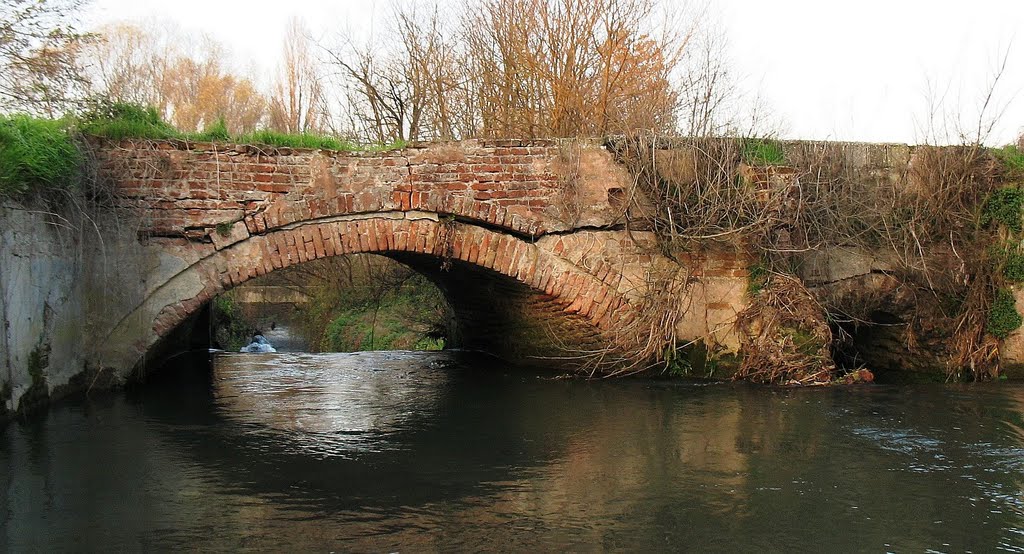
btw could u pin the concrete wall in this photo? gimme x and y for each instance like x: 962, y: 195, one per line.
x: 67, y: 280
x: 43, y: 306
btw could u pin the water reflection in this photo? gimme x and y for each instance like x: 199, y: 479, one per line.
x: 330, y: 404
x: 431, y: 451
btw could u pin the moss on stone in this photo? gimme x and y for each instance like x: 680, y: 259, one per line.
x: 804, y: 341
x: 6, y: 392
x: 757, y: 278
x: 1004, y: 207
x: 38, y: 393
x: 37, y: 360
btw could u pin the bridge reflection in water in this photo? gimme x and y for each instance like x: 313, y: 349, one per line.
x: 447, y: 451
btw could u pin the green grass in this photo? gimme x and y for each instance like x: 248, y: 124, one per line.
x: 1003, y: 317
x: 128, y: 121
x: 406, y: 318
x: 304, y: 140
x: 36, y: 155
x: 218, y: 132
x: 1012, y: 157
x: 358, y: 330
x: 40, y: 154
x: 123, y: 121
x: 429, y: 344
x: 763, y: 152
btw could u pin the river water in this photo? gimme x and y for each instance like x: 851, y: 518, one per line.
x: 398, y: 451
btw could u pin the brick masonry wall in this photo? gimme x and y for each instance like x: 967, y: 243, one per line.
x: 187, y: 189
x: 508, y: 273
x: 534, y: 221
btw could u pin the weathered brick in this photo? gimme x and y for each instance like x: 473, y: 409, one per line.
x: 318, y: 243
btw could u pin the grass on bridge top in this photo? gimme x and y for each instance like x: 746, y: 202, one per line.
x: 43, y: 155
x: 1012, y: 158
x: 36, y: 155
x: 128, y: 121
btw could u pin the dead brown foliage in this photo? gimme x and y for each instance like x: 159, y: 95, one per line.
x: 927, y: 220
x: 786, y: 337
x: 514, y: 68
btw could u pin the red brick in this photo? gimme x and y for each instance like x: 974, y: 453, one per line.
x: 398, y: 238
x: 318, y: 243
x: 328, y: 239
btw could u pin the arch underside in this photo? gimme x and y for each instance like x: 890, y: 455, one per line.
x: 510, y: 297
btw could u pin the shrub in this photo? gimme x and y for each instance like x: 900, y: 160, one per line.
x: 1012, y: 157
x: 1004, y: 207
x: 230, y: 328
x: 1003, y: 317
x: 36, y: 154
x: 1013, y: 266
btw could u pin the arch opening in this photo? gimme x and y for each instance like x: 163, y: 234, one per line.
x: 507, y: 296
x: 349, y: 303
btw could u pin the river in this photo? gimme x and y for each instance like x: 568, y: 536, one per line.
x: 400, y: 451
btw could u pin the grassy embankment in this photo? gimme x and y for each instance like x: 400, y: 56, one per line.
x: 365, y: 303
x: 374, y: 303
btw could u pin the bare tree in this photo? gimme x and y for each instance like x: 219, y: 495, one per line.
x: 39, y: 45
x: 147, y: 64
x: 298, y: 103
x: 515, y: 68
x: 568, y: 68
x: 950, y: 119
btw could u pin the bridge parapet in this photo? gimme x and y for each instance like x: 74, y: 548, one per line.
x: 529, y: 188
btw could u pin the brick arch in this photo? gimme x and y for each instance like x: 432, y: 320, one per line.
x: 515, y: 219
x: 574, y: 292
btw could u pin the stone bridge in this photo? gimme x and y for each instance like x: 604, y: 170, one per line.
x: 531, y: 241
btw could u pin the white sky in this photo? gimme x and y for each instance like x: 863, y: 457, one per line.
x: 839, y: 70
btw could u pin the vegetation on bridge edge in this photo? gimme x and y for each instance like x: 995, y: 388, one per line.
x: 38, y: 155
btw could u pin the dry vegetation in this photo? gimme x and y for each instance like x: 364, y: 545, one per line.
x: 943, y: 226
x: 522, y: 68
